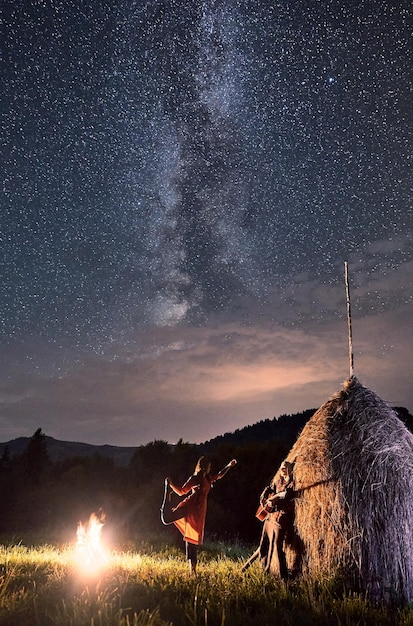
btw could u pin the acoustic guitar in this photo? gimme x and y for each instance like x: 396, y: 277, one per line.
x: 269, y: 505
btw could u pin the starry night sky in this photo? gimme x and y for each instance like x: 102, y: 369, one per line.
x: 182, y: 183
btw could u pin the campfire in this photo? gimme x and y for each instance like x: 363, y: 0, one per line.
x: 90, y: 551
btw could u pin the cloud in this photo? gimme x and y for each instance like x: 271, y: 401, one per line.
x: 196, y: 382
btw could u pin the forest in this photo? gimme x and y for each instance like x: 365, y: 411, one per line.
x: 39, y: 495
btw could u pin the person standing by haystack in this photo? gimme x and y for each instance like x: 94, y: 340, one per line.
x: 197, y: 488
x: 277, y: 511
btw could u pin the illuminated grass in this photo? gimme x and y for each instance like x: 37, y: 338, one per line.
x: 45, y: 586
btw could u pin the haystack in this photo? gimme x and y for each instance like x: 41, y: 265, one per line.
x: 354, y: 511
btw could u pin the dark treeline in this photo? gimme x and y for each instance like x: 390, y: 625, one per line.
x: 39, y: 495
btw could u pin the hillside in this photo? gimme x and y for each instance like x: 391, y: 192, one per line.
x: 59, y: 450
x: 285, y: 428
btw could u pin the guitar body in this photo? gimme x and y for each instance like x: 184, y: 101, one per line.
x: 263, y: 511
x: 269, y: 505
x: 277, y: 502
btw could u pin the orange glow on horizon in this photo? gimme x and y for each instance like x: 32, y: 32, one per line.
x: 240, y: 381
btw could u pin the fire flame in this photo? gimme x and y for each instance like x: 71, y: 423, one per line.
x: 90, y: 552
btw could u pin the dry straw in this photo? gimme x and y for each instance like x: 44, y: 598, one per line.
x: 354, y: 511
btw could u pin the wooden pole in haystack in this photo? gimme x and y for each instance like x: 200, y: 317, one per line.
x: 350, y: 335
x: 353, y: 480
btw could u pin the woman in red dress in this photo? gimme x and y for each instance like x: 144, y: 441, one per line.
x: 197, y: 487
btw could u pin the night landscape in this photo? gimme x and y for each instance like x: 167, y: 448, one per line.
x: 192, y: 191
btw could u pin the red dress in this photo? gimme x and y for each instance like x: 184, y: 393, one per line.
x: 192, y: 525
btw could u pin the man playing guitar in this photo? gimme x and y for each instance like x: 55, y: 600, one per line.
x: 272, y: 499
x: 276, y: 510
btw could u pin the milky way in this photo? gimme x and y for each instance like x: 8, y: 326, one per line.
x: 166, y: 162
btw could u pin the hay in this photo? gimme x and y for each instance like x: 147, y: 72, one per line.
x: 354, y: 512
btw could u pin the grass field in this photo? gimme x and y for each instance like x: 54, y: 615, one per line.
x: 42, y: 585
